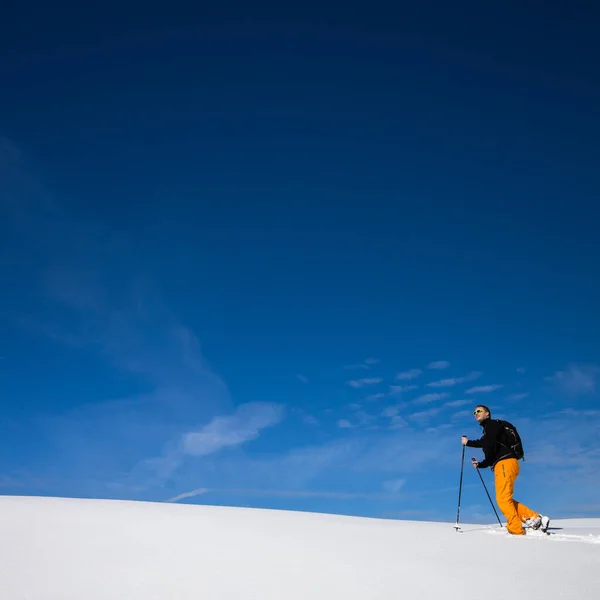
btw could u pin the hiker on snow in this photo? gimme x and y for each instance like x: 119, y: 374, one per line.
x: 504, y: 463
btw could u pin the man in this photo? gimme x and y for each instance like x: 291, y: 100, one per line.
x: 505, y: 465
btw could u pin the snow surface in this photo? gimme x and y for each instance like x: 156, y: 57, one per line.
x: 71, y: 549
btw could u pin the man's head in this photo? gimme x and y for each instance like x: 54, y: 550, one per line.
x: 482, y: 413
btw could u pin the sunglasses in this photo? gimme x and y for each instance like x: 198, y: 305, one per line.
x: 479, y: 410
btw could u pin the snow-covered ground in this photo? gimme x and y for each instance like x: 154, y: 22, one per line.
x: 65, y: 549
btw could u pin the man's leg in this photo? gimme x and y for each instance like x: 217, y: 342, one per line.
x: 505, y: 473
x: 525, y: 513
x: 533, y: 519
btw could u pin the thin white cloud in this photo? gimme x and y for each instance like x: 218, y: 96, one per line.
x: 577, y: 380
x: 438, y: 364
x: 390, y: 411
x: 302, y: 378
x: 521, y: 370
x: 484, y: 389
x: 426, y: 398
x: 359, y: 383
x: 462, y: 414
x: 515, y: 397
x: 450, y: 382
x: 296, y: 467
x: 394, y: 485
x: 408, y: 375
x: 363, y: 418
x: 562, y: 448
x: 577, y: 413
x: 392, y: 493
x: 456, y: 403
x: 365, y: 365
x: 360, y: 419
x: 399, y: 455
x: 394, y: 390
x: 192, y: 494
x: 424, y: 415
x: 390, y: 451
x: 305, y: 417
x: 102, y: 301
x: 397, y: 422
x: 374, y: 397
x: 244, y: 425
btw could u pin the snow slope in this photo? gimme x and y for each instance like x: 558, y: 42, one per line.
x: 66, y: 549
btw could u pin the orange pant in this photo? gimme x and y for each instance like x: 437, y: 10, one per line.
x: 505, y: 474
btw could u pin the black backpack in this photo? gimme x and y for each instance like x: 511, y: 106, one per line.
x: 511, y: 439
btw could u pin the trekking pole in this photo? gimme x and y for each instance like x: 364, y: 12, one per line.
x: 488, y: 495
x: 462, y: 466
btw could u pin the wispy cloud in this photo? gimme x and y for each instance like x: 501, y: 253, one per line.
x: 104, y: 301
x: 562, y: 446
x: 390, y: 411
x: 192, y: 494
x: 393, y: 453
x: 302, y: 378
x: 395, y: 390
x: 426, y: 398
x: 359, y: 383
x: 462, y: 414
x: 360, y: 456
x: 408, y: 375
x: 394, y: 485
x: 374, y: 397
x: 577, y: 380
x: 364, y: 419
x: 310, y: 420
x: 305, y: 417
x: 360, y: 419
x: 221, y: 432
x: 456, y: 403
x: 438, y: 364
x: 484, y: 389
x: 521, y: 370
x: 244, y: 425
x: 365, y: 365
x: 515, y: 397
x: 577, y: 413
x: 450, y: 382
x: 424, y: 416
x: 397, y: 422
x: 296, y: 467
x: 392, y: 488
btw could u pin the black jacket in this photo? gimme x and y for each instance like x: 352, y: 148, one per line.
x: 490, y: 443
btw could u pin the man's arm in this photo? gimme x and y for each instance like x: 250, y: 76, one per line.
x: 487, y: 442
x: 475, y: 443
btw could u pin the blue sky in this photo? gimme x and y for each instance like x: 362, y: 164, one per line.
x: 275, y: 260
